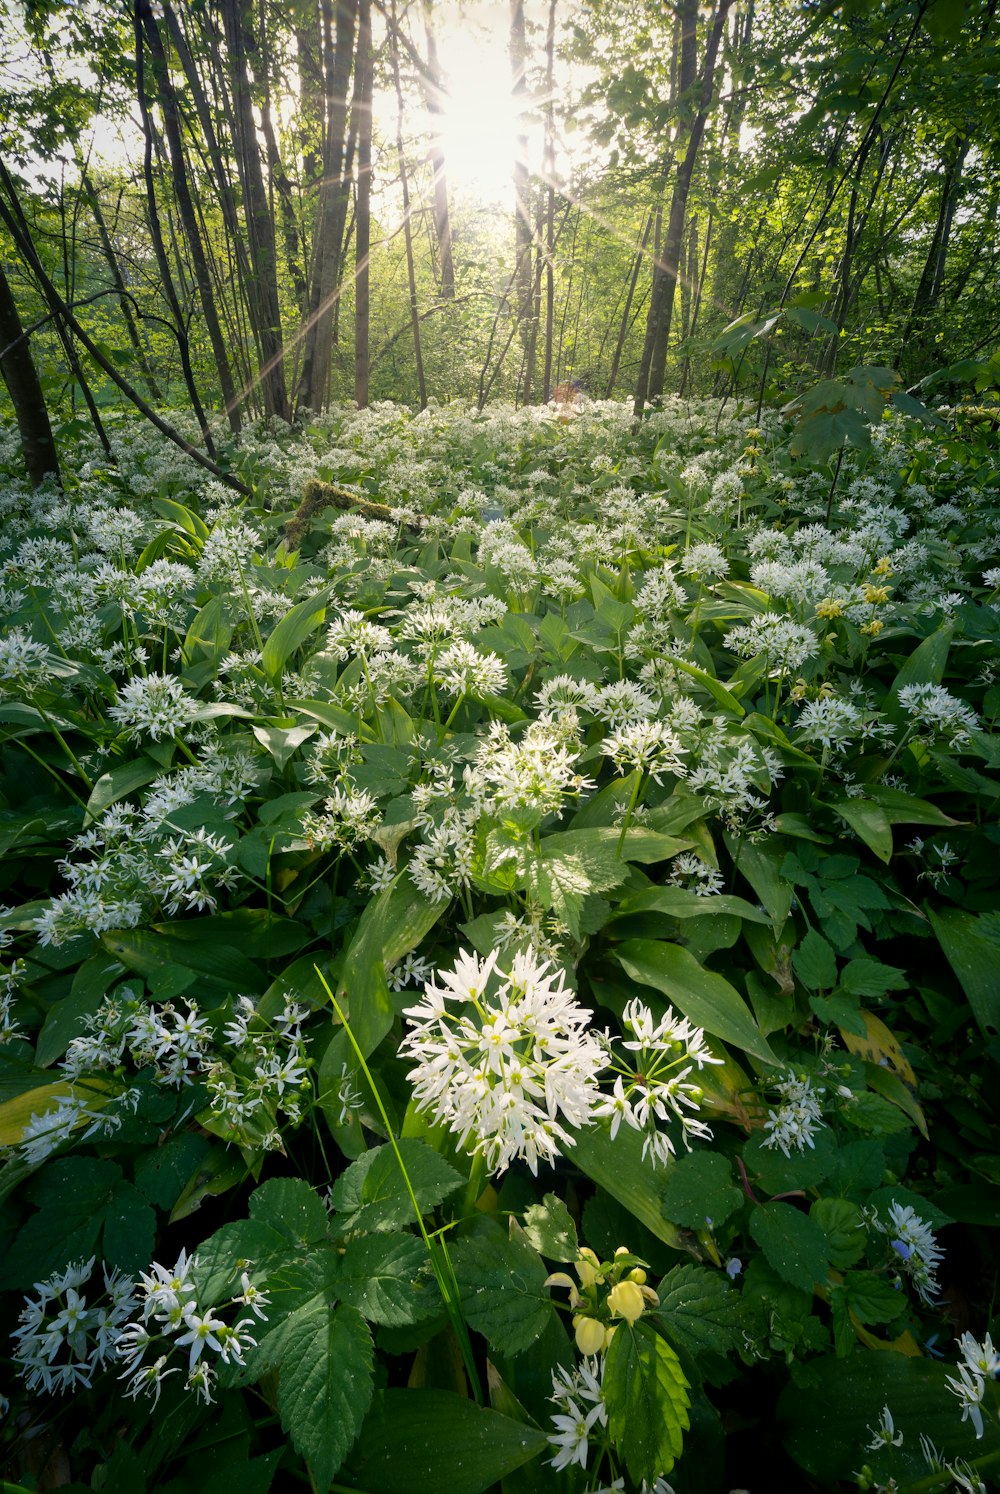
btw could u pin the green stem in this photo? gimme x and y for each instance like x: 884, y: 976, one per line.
x: 64, y: 745
x: 51, y: 771
x: 448, y: 1288
x: 629, y: 813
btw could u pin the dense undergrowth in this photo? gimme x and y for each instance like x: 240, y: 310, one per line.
x: 503, y: 995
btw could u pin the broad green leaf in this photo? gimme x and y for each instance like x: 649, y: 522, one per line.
x: 282, y: 741
x: 700, y: 1310
x: 162, y: 1172
x: 386, y: 1277
x: 864, y: 977
x: 720, y: 694
x: 434, y: 1442
x: 222, y: 967
x: 793, y: 1244
x: 65, y: 1019
x: 903, y: 809
x: 292, y: 1208
x: 872, y: 1298
x: 870, y: 822
x: 828, y: 1422
x: 324, y: 1361
x: 185, y: 518
x: 295, y: 627
x: 374, y: 1194
x: 761, y: 866
x: 549, y: 1227
x: 647, y: 1399
x: 700, y: 1192
x: 129, y: 1230
x: 844, y: 1227
x: 925, y: 666
x: 974, y: 959
x: 621, y: 1170
x: 118, y: 783
x: 679, y: 902
x: 73, y: 1196
x: 815, y: 963
x: 706, y: 998
x: 502, y: 1282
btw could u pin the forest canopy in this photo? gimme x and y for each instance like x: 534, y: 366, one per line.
x: 240, y: 210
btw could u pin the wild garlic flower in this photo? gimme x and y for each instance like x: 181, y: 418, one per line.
x: 171, y: 1325
x: 783, y: 643
x: 155, y: 705
x: 913, y: 1242
x: 650, y: 747
x: 935, y: 708
x: 970, y: 1389
x: 441, y: 866
x: 689, y: 871
x: 503, y: 1057
x: 652, y: 1086
x: 461, y: 669
x: 62, y: 1342
x: 537, y: 771
x: 793, y: 1124
x: 884, y: 1434
x: 24, y: 663
x: 578, y: 1396
x: 352, y: 634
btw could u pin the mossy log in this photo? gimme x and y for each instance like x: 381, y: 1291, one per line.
x: 320, y: 495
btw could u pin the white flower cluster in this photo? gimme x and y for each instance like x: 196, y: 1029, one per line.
x: 264, y: 1073
x: 793, y: 1124
x: 980, y: 1362
x: 504, y: 1057
x: 499, y: 1062
x: 937, y: 710
x: 171, y: 1322
x: 62, y: 1342
x: 913, y: 1242
x: 578, y: 1396
x: 154, y: 705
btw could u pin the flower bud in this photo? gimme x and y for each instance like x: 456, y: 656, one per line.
x: 626, y: 1301
x: 638, y: 1275
x: 589, y: 1335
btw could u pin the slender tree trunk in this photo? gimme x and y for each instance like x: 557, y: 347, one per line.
x: 433, y: 98
x: 653, y: 368
x: 259, y: 221
x: 407, y: 228
x: 633, y: 282
x: 185, y: 207
x: 159, y: 247
x: 331, y: 212
x: 523, y: 235
x: 19, y: 374
x: 362, y: 236
x: 114, y: 269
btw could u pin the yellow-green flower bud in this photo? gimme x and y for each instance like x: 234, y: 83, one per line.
x: 589, y: 1335
x: 626, y: 1301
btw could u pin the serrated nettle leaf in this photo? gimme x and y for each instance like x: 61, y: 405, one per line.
x: 374, y: 1193
x: 700, y: 1310
x: 549, y: 1227
x: 646, y: 1395
x: 793, y: 1244
x: 815, y: 963
x: 324, y: 1360
x: 502, y: 1282
x: 388, y: 1279
x: 845, y: 1230
x: 292, y: 1208
x: 699, y: 1191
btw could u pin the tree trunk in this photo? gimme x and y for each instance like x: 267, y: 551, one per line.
x: 661, y: 305
x: 19, y: 374
x: 185, y: 207
x: 433, y: 94
x: 263, y: 288
x: 362, y: 233
x: 331, y: 214
x: 523, y: 234
x: 407, y: 229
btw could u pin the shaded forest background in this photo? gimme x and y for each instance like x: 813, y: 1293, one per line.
x: 734, y: 200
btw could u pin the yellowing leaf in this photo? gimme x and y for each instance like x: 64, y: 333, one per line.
x: 879, y: 1047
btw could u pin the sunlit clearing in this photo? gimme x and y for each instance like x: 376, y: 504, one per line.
x: 480, y: 125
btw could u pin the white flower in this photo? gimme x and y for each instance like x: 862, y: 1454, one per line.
x: 981, y: 1358
x: 155, y: 704
x: 970, y: 1389
x: 649, y: 746
x: 794, y: 1123
x: 913, y: 1241
x: 502, y: 1057
x: 884, y: 1434
x: 572, y: 1423
x: 462, y: 670
x: 934, y: 707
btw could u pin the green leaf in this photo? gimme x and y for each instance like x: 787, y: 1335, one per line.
x: 620, y: 1169
x: 720, y: 694
x: 129, y: 1230
x: 374, y: 1193
x: 386, y: 1278
x: 292, y: 1208
x: 706, y: 998
x: 647, y: 1399
x: 793, y: 1244
x: 65, y: 1019
x: 678, y: 902
x: 864, y: 977
x: 162, y: 1171
x: 185, y: 518
x: 844, y: 1228
x: 700, y: 1191
x: 119, y: 783
x: 549, y: 1227
x: 700, y: 1311
x: 292, y: 631
x: 903, y: 809
x: 324, y: 1361
x: 73, y: 1197
x: 872, y: 1298
x: 815, y: 963
x: 973, y: 957
x: 870, y: 822
x: 502, y: 1282
x: 827, y: 1422
x: 925, y: 666
x: 430, y: 1441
